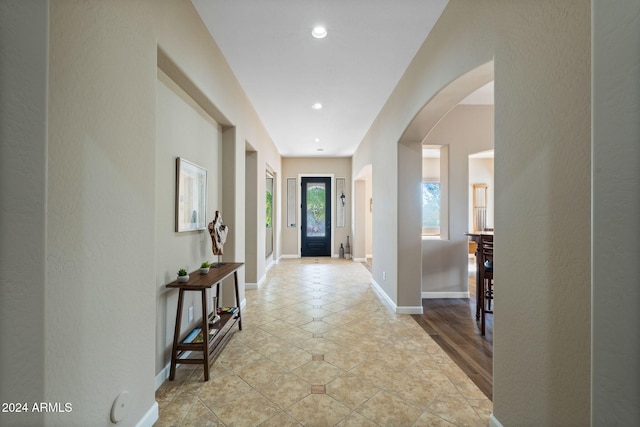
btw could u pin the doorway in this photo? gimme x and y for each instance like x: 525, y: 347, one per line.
x: 315, y: 216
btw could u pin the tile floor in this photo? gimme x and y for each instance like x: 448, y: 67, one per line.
x: 319, y: 347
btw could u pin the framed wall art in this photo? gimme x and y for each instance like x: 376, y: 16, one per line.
x: 191, y: 196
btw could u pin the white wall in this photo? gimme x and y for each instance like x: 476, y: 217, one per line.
x: 541, y: 59
x: 431, y: 169
x: 615, y: 208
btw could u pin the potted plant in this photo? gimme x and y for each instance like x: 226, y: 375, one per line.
x: 183, y: 276
x: 204, y: 267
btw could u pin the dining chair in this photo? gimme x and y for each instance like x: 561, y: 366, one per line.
x: 486, y: 279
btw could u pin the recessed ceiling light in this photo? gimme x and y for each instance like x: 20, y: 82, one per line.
x: 319, y: 32
x: 317, y: 106
x: 317, y: 139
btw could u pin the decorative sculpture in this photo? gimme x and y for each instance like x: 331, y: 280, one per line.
x: 218, y: 232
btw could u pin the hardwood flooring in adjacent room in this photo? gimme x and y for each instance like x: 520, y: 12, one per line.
x: 451, y: 323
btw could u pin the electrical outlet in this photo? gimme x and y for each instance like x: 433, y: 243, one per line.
x: 191, y: 314
x: 384, y: 275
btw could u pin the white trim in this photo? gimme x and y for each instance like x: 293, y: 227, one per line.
x: 493, y: 421
x: 389, y: 301
x: 266, y: 269
x: 434, y: 295
x: 162, y: 376
x: 359, y: 259
x: 431, y: 237
x: 383, y: 294
x: 289, y: 256
x: 253, y: 286
x: 150, y: 417
x: 369, y: 255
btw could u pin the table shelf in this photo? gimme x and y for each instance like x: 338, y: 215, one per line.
x: 182, y: 352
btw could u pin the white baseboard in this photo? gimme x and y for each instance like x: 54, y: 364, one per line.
x: 254, y: 286
x: 150, y: 417
x: 268, y: 267
x: 288, y: 256
x: 369, y: 255
x: 383, y: 294
x: 162, y: 376
x: 493, y: 421
x: 359, y: 260
x: 434, y: 295
x: 389, y: 301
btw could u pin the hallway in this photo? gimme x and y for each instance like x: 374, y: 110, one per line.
x: 320, y: 348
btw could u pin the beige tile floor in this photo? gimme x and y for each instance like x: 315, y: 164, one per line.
x: 319, y: 347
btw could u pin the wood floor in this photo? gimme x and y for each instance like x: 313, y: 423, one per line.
x: 451, y: 323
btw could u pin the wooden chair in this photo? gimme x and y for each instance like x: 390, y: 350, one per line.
x: 486, y: 278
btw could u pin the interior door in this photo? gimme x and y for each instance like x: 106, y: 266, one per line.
x: 316, y: 216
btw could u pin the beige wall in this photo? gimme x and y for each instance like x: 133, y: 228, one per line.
x: 183, y: 129
x: 616, y: 209
x: 23, y: 197
x: 340, y: 167
x: 541, y: 54
x: 99, y: 316
x: 100, y: 276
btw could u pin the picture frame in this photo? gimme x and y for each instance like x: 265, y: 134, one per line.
x: 191, y: 196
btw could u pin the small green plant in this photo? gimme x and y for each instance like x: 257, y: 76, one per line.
x: 182, y: 272
x: 205, y: 264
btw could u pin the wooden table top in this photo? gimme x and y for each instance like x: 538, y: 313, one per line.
x: 479, y: 233
x: 215, y: 275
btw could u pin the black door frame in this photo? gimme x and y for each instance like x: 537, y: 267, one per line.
x: 331, y: 178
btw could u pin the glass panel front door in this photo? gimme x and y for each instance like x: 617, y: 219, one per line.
x: 316, y: 201
x: 316, y: 216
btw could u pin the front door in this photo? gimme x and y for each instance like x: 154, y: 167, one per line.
x: 316, y: 216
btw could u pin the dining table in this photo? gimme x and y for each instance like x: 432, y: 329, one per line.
x: 475, y: 236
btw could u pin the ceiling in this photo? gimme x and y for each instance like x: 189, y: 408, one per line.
x: 352, y: 72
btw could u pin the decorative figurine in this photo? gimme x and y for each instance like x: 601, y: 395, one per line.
x: 218, y: 232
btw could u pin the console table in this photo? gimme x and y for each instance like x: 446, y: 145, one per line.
x: 211, y: 343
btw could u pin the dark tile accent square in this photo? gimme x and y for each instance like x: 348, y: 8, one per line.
x: 318, y: 389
